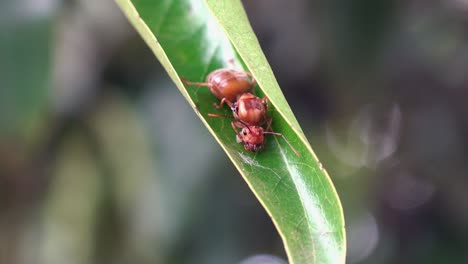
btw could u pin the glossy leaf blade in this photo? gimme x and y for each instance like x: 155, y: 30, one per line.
x: 191, y: 39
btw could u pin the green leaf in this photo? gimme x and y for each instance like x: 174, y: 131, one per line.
x: 193, y: 38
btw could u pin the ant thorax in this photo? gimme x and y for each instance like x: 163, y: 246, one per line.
x: 250, y: 109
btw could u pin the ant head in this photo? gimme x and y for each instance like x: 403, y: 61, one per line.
x: 252, y: 138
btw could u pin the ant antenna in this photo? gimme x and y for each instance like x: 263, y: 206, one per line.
x: 281, y: 135
x: 245, y: 125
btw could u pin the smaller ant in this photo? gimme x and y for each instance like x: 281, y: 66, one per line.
x: 252, y: 136
x: 227, y: 84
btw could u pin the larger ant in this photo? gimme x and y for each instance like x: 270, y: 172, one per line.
x: 227, y: 84
x: 234, y: 88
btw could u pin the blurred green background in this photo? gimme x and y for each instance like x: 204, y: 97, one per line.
x: 103, y: 161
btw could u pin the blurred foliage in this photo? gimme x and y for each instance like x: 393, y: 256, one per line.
x: 25, y: 69
x: 93, y: 171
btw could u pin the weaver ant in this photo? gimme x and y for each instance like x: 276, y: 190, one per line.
x: 252, y: 136
x: 234, y: 88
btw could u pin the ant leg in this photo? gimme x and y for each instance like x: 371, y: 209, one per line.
x: 265, y: 102
x: 281, y: 135
x: 195, y: 83
x: 224, y: 100
x: 269, y: 120
x: 254, y: 82
x: 236, y: 125
x: 219, y: 115
x: 266, y: 119
x: 240, y: 124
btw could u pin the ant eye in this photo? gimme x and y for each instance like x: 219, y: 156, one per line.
x: 244, y: 132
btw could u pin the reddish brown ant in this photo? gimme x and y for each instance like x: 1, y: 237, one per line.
x: 252, y: 136
x: 227, y: 84
x: 233, y: 87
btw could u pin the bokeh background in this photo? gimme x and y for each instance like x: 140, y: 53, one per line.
x: 102, y: 160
